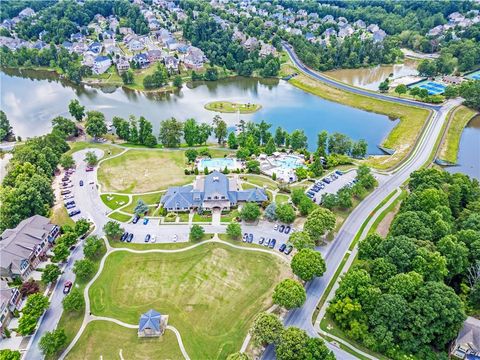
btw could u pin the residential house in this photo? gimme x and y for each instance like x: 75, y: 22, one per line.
x: 373, y: 28
x: 194, y: 59
x: 67, y: 45
x: 345, y: 31
x: 171, y: 44
x: 328, y: 19
x: 155, y: 55
x: 122, y: 65
x: 171, y: 63
x: 154, y: 24
x: 27, y: 12
x: 329, y: 32
x: 88, y: 59
x: 141, y: 60
x: 467, y: 343
x: 9, y: 302
x: 437, y: 30
x: 208, y: 192
x: 266, y: 50
x: 152, y: 324
x: 125, y: 31
x: 239, y: 36
x: 251, y: 43
x: 101, y: 64
x: 95, y: 47
x: 379, y: 36
x: 22, y: 248
x: 360, y: 24
x: 108, y: 34
x: 296, y: 32
x: 135, y: 45
x: 113, y: 24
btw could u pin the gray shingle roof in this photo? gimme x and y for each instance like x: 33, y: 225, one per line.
x: 216, y: 184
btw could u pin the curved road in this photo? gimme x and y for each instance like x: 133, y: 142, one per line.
x: 302, y: 317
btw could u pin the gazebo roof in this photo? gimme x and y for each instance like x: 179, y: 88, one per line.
x: 150, y: 320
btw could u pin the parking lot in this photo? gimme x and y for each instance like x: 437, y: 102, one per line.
x: 266, y: 230
x: 336, y: 180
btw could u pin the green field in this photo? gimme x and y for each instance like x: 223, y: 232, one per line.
x: 60, y: 216
x: 114, y: 201
x: 104, y: 340
x: 231, y: 107
x: 281, y: 198
x: 120, y: 217
x: 139, y: 171
x: 261, y: 181
x: 149, y: 199
x: 80, y: 145
x: 460, y: 118
x: 211, y: 293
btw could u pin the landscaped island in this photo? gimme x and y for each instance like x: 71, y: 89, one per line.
x: 231, y: 107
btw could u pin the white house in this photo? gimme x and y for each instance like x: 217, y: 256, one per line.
x: 101, y: 64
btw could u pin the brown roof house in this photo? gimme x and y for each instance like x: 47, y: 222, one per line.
x: 22, y: 247
x: 467, y: 343
x: 152, y: 324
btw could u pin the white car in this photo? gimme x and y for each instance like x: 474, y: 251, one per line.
x: 175, y: 238
x: 153, y: 239
x: 275, y: 227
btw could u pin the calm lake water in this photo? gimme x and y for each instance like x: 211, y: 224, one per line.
x: 370, y: 78
x: 469, y: 152
x: 32, y: 99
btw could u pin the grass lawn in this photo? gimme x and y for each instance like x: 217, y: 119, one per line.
x: 119, y: 217
x: 149, y: 199
x: 403, y: 136
x: 139, y: 171
x: 104, y: 340
x: 458, y: 120
x: 281, y: 198
x: 190, y: 287
x: 183, y: 217
x: 202, y: 218
x: 261, y: 181
x: 114, y: 201
x: 60, y: 216
x: 229, y: 216
x: 80, y: 145
x: 231, y: 107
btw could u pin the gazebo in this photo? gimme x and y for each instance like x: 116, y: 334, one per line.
x: 152, y: 324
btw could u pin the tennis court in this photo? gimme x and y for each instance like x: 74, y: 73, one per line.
x: 474, y: 76
x: 433, y: 88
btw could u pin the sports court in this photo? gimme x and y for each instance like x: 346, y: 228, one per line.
x: 474, y: 75
x: 432, y: 87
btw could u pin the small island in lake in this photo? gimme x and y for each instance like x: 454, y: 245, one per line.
x: 231, y: 107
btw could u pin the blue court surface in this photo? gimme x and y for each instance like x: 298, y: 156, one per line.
x: 432, y: 87
x: 474, y: 76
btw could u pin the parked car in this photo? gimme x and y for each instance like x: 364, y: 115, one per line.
x: 66, y: 197
x: 130, y: 237
x: 70, y: 202
x: 338, y: 172
x: 245, y: 237
x: 175, y: 238
x: 145, y: 221
x: 67, y: 287
x: 81, y: 182
x: 281, y: 228
x: 310, y: 195
x: 288, y: 250
x: 65, y: 178
x: 153, y: 239
x: 71, y: 206
x: 135, y: 219
x: 282, y: 247
x: 326, y: 180
x: 250, y: 238
x: 73, y: 213
x: 287, y: 229
x: 266, y: 243
x: 272, y: 244
x: 89, y: 168
x: 261, y: 241
x: 147, y: 238
x: 275, y: 227
x: 124, y: 236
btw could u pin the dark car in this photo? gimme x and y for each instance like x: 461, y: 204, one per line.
x: 287, y: 229
x: 130, y: 237
x: 328, y: 181
x: 65, y: 192
x: 145, y: 221
x: 272, y: 243
x: 81, y: 182
x: 250, y: 238
x: 73, y: 213
x: 71, y: 206
x: 282, y: 247
x: 288, y: 250
x: 67, y: 287
x: 281, y: 228
x: 89, y: 168
x: 147, y: 238
x: 135, y: 219
x: 124, y: 236
x: 71, y: 202
x: 338, y: 172
x: 245, y: 237
x: 261, y: 241
x: 65, y: 178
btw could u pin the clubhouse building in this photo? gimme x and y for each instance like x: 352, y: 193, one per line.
x: 214, y: 191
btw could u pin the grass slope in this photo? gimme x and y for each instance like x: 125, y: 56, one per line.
x: 211, y: 293
x: 231, y: 107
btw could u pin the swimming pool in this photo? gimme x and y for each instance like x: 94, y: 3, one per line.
x: 217, y: 164
x: 433, y: 88
x: 474, y: 76
x: 288, y: 162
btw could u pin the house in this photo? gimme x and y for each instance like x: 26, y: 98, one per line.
x: 141, y: 59
x: 154, y: 24
x: 467, y: 343
x: 194, y: 58
x: 113, y: 24
x: 171, y: 63
x: 437, y: 30
x: 108, y: 34
x: 215, y: 190
x: 22, y: 247
x: 135, y: 45
x: 125, y: 31
x: 251, y: 43
x: 345, y: 31
x: 154, y: 55
x: 9, y: 302
x: 373, y: 28
x: 122, y: 65
x: 77, y: 37
x: 239, y: 36
x: 329, y: 32
x: 88, y: 59
x: 266, y: 50
x: 95, y: 47
x: 360, y: 24
x: 152, y: 324
x: 379, y: 36
x: 27, y: 12
x: 101, y: 64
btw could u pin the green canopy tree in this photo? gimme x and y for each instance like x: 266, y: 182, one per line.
x: 113, y: 229
x: 308, y: 264
x: 301, y: 240
x: 285, y: 213
x: 289, y: 294
x: 220, y: 129
x: 50, y: 273
x: 76, y: 110
x: 73, y: 301
x: 266, y: 329
x: 92, y: 247
x: 250, y: 212
x: 95, y: 125
x: 234, y: 230
x: 53, y: 341
x: 319, y: 221
x: 84, y: 269
x: 171, y: 131
x: 141, y: 208
x: 196, y: 232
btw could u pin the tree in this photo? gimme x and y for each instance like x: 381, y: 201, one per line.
x: 190, y: 132
x: 27, y: 324
x: 232, y: 141
x: 73, y: 301
x: 456, y: 254
x: 266, y: 329
x: 298, y: 140
x: 64, y: 126
x: 66, y: 161
x: 177, y: 81
x: 191, y: 155
x: 91, y: 158
x: 289, y: 294
x: 250, y: 212
x: 297, y: 195
x: 196, y: 232
x: 171, y: 132
x: 76, y: 110
x: 81, y: 227
x: 294, y: 344
x: 359, y: 149
x: 141, y: 208
x: 319, y: 221
x: 50, y: 273
x: 470, y: 91
x: 92, y: 247
x: 270, y: 212
x: 53, y: 341
x: 401, y: 89
x: 306, y: 206
x: 127, y: 77
x: 95, y: 125
x: 29, y: 287
x: 84, y: 269
x: 427, y: 68
x: 285, y: 213
x: 316, y: 167
x: 279, y: 136
x: 113, y: 229
x: 234, y: 230
x: 270, y: 147
x: 5, y: 128
x: 220, y: 129
x: 450, y: 92
x: 307, y: 264
x: 60, y: 252
x: 384, y: 86
x: 253, y: 166
x: 339, y: 143
x: 301, y: 240
x: 7, y: 354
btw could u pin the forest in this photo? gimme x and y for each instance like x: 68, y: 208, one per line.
x: 408, y: 294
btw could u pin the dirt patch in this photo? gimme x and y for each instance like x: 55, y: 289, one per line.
x: 384, y: 225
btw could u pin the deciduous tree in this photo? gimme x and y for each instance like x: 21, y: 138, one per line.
x: 289, y: 294
x: 308, y: 264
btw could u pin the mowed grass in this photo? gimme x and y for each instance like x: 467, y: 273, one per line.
x: 149, y: 199
x: 261, y: 181
x: 139, y: 171
x: 403, y: 136
x: 459, y: 119
x: 80, y: 145
x: 114, y: 201
x: 231, y: 107
x: 104, y: 340
x: 211, y: 293
x: 60, y: 216
x: 119, y: 216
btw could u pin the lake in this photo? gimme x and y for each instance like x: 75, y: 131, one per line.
x: 31, y: 99
x: 469, y: 151
x: 370, y: 78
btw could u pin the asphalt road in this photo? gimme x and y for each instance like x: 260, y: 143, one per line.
x: 302, y: 317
